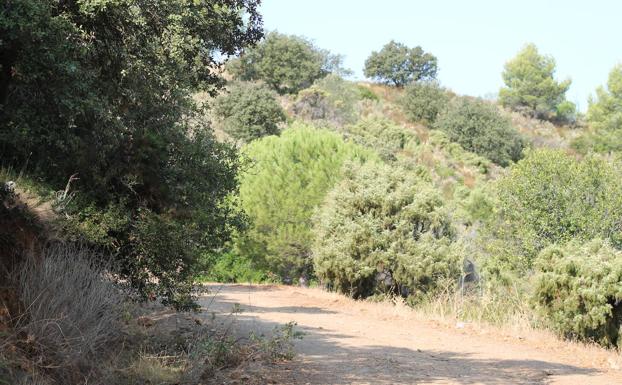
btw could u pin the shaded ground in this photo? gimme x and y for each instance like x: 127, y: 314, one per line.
x: 350, y: 342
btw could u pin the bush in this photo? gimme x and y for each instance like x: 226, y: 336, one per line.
x: 479, y: 127
x: 289, y: 178
x: 384, y: 229
x: 399, y: 65
x: 72, y: 308
x: 579, y: 290
x: 423, y: 101
x: 330, y: 99
x: 249, y: 111
x: 286, y: 63
x: 381, y: 135
x: 550, y: 197
x: 230, y: 267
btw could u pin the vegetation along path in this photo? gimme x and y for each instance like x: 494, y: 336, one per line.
x: 354, y: 342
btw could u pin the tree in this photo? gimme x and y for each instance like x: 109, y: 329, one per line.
x: 530, y: 86
x: 550, y: 197
x: 399, y: 65
x: 424, y: 101
x: 480, y: 128
x: 384, y: 229
x: 103, y: 89
x: 288, y: 179
x: 286, y: 63
x: 605, y: 111
x: 249, y: 111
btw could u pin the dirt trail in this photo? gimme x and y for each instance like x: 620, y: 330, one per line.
x: 350, y: 342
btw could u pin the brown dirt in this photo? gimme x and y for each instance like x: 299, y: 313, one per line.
x: 354, y: 342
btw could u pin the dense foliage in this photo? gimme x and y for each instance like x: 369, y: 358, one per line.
x: 423, y: 101
x: 479, y: 127
x: 289, y: 177
x: 102, y: 89
x: 330, y: 100
x: 384, y: 229
x: 286, y: 63
x: 579, y: 290
x: 399, y: 65
x: 531, y: 88
x: 605, y: 111
x: 550, y: 197
x: 249, y: 111
x: 383, y: 136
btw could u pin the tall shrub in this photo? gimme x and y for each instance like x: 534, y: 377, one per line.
x: 289, y: 177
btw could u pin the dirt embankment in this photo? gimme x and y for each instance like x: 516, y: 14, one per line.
x: 350, y: 342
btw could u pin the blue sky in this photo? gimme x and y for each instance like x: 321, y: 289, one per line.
x: 471, y: 38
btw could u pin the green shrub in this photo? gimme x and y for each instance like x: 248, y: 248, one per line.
x: 579, y: 290
x: 286, y: 63
x: 550, y: 197
x: 330, y: 99
x: 479, y: 127
x: 423, y: 101
x: 366, y: 93
x: 249, y: 111
x: 289, y: 178
x: 230, y: 267
x: 381, y: 135
x: 384, y: 229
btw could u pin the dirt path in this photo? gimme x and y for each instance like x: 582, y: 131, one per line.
x: 350, y: 342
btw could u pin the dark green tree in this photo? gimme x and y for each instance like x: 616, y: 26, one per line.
x: 102, y: 89
x: 249, y: 111
x: 286, y: 63
x: 480, y: 128
x: 399, y: 65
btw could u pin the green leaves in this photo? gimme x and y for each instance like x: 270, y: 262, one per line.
x: 550, y: 197
x: 101, y: 89
x: 530, y: 86
x: 399, y: 65
x: 579, y: 290
x: 384, y: 219
x: 286, y: 63
x: 605, y: 111
x: 289, y: 178
x: 249, y: 111
x: 479, y: 127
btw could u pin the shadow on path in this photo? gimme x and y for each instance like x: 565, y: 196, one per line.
x: 327, y: 357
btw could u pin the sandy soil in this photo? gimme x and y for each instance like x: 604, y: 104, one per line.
x: 354, y: 342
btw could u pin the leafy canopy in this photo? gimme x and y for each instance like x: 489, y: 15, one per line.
x: 605, y: 111
x: 424, y: 101
x: 286, y: 63
x: 102, y: 89
x: 399, y: 65
x: 530, y: 86
x: 550, y: 197
x: 249, y: 111
x: 578, y: 289
x: 383, y: 229
x: 480, y: 128
x: 289, y: 177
